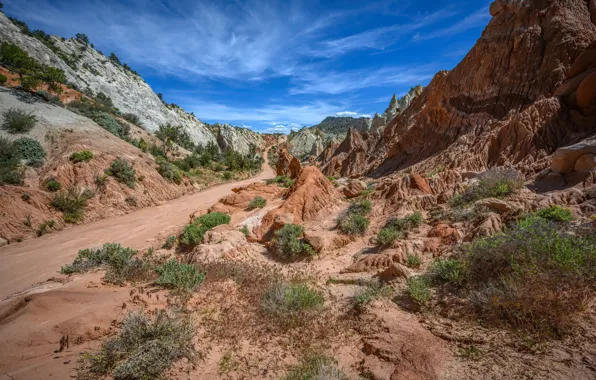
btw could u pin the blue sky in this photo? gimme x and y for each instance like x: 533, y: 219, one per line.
x: 271, y: 65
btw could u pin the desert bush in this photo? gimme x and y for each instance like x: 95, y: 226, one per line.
x: 288, y: 242
x: 101, y: 181
x: 168, y: 170
x: 418, y: 288
x: 316, y: 367
x: 183, y: 279
x: 3, y: 79
x: 288, y: 300
x: 556, y: 213
x: 388, y: 235
x: 11, y: 171
x: 449, y: 270
x: 193, y: 233
x: 361, y: 207
x: 170, y: 242
x: 30, y: 149
x: 123, y: 172
x: 144, y: 349
x: 83, y: 155
x: 227, y: 175
x: 371, y: 292
x: 53, y: 185
x: 245, y: 230
x: 257, y: 202
x: 117, y: 260
x: 533, y: 276
x: 495, y: 182
x: 353, y: 224
x: 413, y: 261
x: 72, y: 203
x: 110, y: 124
x: 132, y: 118
x: 18, y: 121
x: 282, y: 181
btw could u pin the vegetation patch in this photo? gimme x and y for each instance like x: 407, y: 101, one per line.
x: 193, y: 233
x: 316, y: 367
x: 118, y: 261
x: 170, y: 242
x: 290, y: 300
x: 168, y: 170
x: 257, y: 202
x: 123, y: 172
x: 82, y: 156
x: 556, y: 213
x: 354, y: 221
x: 418, y: 288
x: 53, y: 185
x: 144, y: 349
x: 288, y: 242
x: 11, y: 170
x: 18, y: 121
x: 183, y: 279
x: 496, y: 182
x: 72, y: 203
x: 534, y: 276
x: 30, y: 149
x: 371, y: 292
x: 281, y: 181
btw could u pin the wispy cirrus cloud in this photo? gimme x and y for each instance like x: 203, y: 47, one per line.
x: 476, y: 19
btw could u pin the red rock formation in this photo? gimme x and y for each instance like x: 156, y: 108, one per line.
x: 244, y: 195
x: 497, y: 106
x: 312, y: 197
x: 288, y: 164
x: 295, y: 168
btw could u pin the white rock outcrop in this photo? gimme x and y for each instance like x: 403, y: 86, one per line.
x: 89, y: 69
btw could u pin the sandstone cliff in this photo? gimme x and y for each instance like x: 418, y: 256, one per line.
x: 497, y: 106
x: 241, y: 139
x: 305, y: 142
x: 88, y: 69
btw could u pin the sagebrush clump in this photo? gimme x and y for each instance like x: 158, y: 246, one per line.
x: 289, y: 300
x: 82, y: 156
x: 72, y: 203
x: 183, y: 279
x: 257, y: 202
x: 193, y: 233
x: 316, y: 367
x: 18, y: 121
x: 30, y: 149
x: 123, y: 172
x: 288, y: 242
x: 495, y: 182
x: 168, y: 170
x: 145, y: 348
x: 354, y: 221
x: 11, y: 170
x: 282, y: 181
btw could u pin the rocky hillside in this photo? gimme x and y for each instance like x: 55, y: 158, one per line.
x: 89, y: 70
x: 524, y: 90
x: 396, y: 106
x: 336, y: 126
x: 241, y: 139
x: 306, y: 142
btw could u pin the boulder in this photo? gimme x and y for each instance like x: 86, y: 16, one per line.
x: 500, y: 205
x: 242, y: 196
x: 395, y: 271
x: 216, y: 243
x: 376, y: 261
x: 585, y: 163
x: 446, y: 233
x: 3, y: 242
x: 282, y: 219
x: 565, y: 158
x: 485, y: 226
x: 283, y: 162
x: 354, y: 188
x: 419, y: 183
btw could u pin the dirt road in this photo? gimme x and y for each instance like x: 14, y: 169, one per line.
x: 30, y: 262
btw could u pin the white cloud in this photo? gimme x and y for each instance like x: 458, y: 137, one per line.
x: 352, y: 114
x: 476, y: 19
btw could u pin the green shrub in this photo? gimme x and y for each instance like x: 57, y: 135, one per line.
x: 287, y: 300
x: 18, y: 121
x: 288, y: 242
x: 556, y: 213
x: 53, y: 185
x: 495, y: 182
x: 449, y: 270
x: 388, y: 235
x: 3, y: 79
x: 118, y: 261
x: 533, y: 276
x: 245, y: 230
x: 227, y: 175
x: 411, y: 221
x: 418, y: 288
x: 193, y: 233
x: 101, y: 181
x: 182, y: 278
x: 30, y: 149
x: 168, y: 171
x: 371, y: 292
x: 282, y: 181
x: 123, y: 172
x: 110, y: 124
x: 144, y: 349
x: 132, y: 118
x: 219, y: 168
x: 72, y: 203
x: 83, y: 155
x: 11, y: 171
x: 170, y: 242
x: 354, y: 224
x: 413, y: 261
x: 257, y: 202
x: 316, y: 367
x: 361, y: 207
